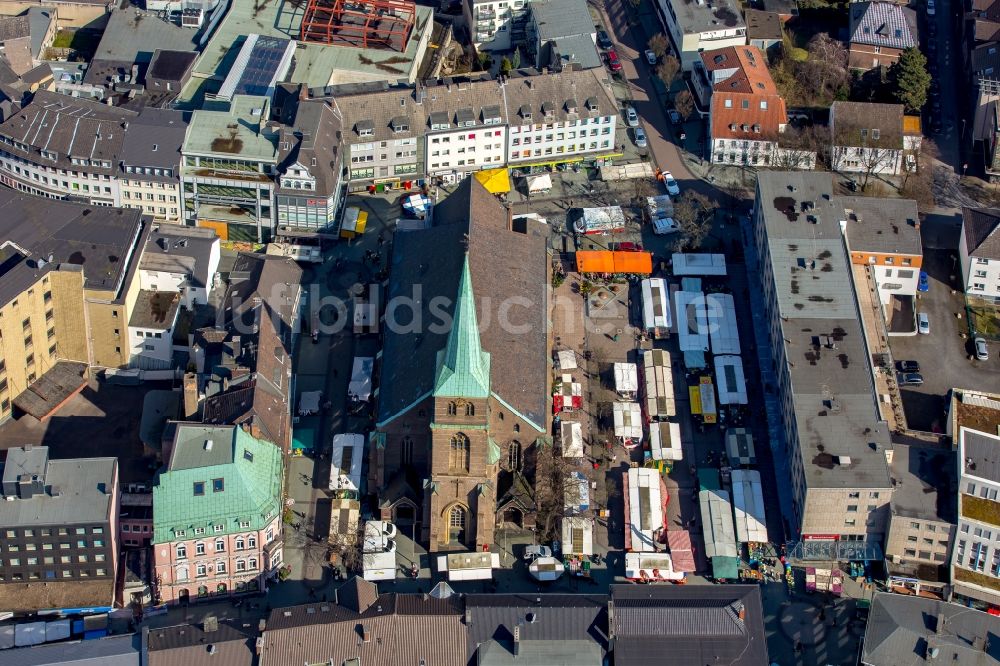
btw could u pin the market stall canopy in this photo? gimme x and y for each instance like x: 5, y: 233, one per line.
x: 606, y: 261
x: 496, y: 181
x: 539, y: 183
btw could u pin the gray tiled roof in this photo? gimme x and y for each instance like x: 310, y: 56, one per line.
x: 313, y: 135
x: 982, y: 232
x: 505, y: 264
x: 541, y: 617
x: 901, y: 629
x: 883, y: 24
x: 883, y: 225
x: 154, y: 139
x: 558, y: 19
x: 14, y: 27
x: 173, y: 248
x: 233, y: 644
x: 833, y: 397
x: 849, y: 119
x: 111, y: 651
x: 687, y: 625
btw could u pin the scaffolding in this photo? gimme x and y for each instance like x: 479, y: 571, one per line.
x: 367, y: 24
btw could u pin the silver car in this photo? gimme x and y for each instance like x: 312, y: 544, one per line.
x: 982, y: 353
x: 640, y: 138
x: 923, y: 323
x: 631, y: 117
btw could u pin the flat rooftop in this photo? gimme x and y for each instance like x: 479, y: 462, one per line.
x: 695, y: 17
x: 316, y: 65
x: 882, y: 225
x: 925, y: 482
x: 133, y: 35
x: 981, y: 455
x: 155, y: 309
x: 833, y: 394
x: 241, y: 132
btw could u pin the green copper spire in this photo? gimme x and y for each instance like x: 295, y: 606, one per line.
x: 463, y: 368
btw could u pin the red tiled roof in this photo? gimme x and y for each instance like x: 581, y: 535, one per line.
x: 744, y: 117
x: 750, y: 63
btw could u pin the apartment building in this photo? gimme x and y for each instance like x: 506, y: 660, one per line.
x: 496, y: 25
x: 216, y: 514
x: 151, y: 329
x: 149, y: 178
x: 183, y: 260
x: 310, y: 184
x: 834, y: 442
x: 24, y: 38
x: 922, y: 520
x: 230, y: 161
x: 696, y: 25
x: 975, y: 562
x: 879, y: 33
x: 59, y: 523
x: 404, y: 134
x: 883, y: 235
x: 868, y: 138
x: 979, y: 251
x: 59, y: 147
x: 66, y: 288
x: 561, y: 33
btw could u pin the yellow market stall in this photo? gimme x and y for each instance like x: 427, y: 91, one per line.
x: 496, y: 181
x: 354, y: 223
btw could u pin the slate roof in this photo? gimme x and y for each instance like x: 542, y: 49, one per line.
x: 688, y: 625
x: 251, y: 471
x: 231, y: 644
x: 852, y: 124
x: 982, y: 232
x: 173, y: 248
x: 123, y: 650
x: 763, y: 25
x: 985, y: 57
x: 902, y: 628
x: 67, y: 127
x: 403, y: 629
x: 504, y: 263
x: 312, y: 141
x: 154, y: 140
x: 86, y: 489
x: 883, y: 24
x: 883, y: 225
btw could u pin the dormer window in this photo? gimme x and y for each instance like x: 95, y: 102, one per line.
x: 591, y: 104
x: 756, y: 129
x: 439, y: 120
x: 465, y: 118
x: 491, y: 115
x: 365, y: 128
x: 548, y: 110
x: 49, y: 155
x: 400, y: 124
x: 875, y: 134
x: 525, y: 112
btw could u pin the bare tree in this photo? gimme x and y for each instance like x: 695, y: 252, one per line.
x: 694, y: 213
x: 919, y: 183
x: 642, y: 188
x: 829, y: 57
x: 799, y: 147
x: 551, y: 470
x: 658, y: 44
x: 684, y: 103
x: 871, y: 157
x: 668, y: 69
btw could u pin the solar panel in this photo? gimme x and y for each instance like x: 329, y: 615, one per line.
x: 262, y: 66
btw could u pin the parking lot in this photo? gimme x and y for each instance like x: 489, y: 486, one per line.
x: 946, y: 357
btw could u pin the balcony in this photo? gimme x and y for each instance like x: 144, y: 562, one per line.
x: 272, y: 548
x: 485, y: 14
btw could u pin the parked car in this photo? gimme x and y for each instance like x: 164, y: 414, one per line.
x: 673, y: 189
x: 982, y: 353
x: 908, y: 366
x: 664, y: 225
x: 911, y: 379
x: 614, y: 64
x: 923, y: 284
x: 640, y: 137
x: 923, y: 323
x: 675, y: 118
x: 631, y: 117
x: 930, y: 7
x: 603, y: 40
x: 531, y: 553
x: 650, y: 57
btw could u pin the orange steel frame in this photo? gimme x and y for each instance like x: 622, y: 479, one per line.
x: 385, y: 24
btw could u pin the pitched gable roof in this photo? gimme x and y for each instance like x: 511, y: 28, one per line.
x: 853, y: 124
x: 739, y: 69
x: 883, y: 24
x: 982, y: 232
x: 746, y: 116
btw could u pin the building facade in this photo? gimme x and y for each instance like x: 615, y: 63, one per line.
x: 151, y: 329
x: 979, y: 252
x: 496, y: 25
x: 694, y: 27
x: 71, y: 536
x: 217, y: 514
x: 867, y: 138
x: 149, y: 178
x: 183, y: 260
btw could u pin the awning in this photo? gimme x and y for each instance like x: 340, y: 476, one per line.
x: 496, y: 181
x: 539, y: 183
x: 605, y: 261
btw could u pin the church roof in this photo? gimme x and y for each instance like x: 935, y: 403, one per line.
x: 463, y: 367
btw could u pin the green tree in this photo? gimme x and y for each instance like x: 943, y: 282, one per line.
x: 658, y: 44
x: 684, y: 103
x: 515, y: 62
x: 483, y: 58
x: 910, y: 79
x: 667, y: 70
x: 506, y: 65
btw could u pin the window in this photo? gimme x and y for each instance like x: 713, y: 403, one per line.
x: 470, y: 409
x: 182, y: 573
x: 201, y: 571
x: 220, y: 567
x: 459, y: 453
x: 217, y: 528
x: 252, y: 563
x: 241, y: 565
x: 406, y: 451
x: 218, y: 485
x: 181, y: 552
x: 199, y: 548
x: 198, y: 531
x: 514, y: 456
x: 244, y: 524
x: 240, y: 543
x: 220, y: 545
x: 851, y: 508
x: 251, y: 542
x: 452, y: 408
x: 199, y: 487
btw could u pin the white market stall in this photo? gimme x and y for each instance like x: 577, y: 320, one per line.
x: 656, y: 319
x: 628, y: 423
x: 665, y: 441
x: 748, y: 506
x: 578, y: 536
x: 566, y: 359
x: 360, y: 388
x: 600, y: 220
x: 721, y: 312
x: 309, y: 402
x: 572, y: 439
x: 468, y: 566
x: 732, y: 383
x: 546, y: 569
x: 739, y: 447
x: 539, y: 183
x: 345, y: 462
x: 717, y: 524
x: 626, y: 380
x: 692, y: 321
x: 698, y: 264
x: 645, y: 496
x: 651, y: 568
x: 658, y: 385
x: 576, y: 493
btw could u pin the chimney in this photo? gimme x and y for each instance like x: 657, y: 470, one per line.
x: 366, y: 634
x: 190, y: 395
x: 208, y: 444
x: 517, y: 641
x: 210, y: 624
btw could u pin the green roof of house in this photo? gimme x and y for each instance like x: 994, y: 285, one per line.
x: 240, y: 132
x: 463, y: 367
x: 250, y: 471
